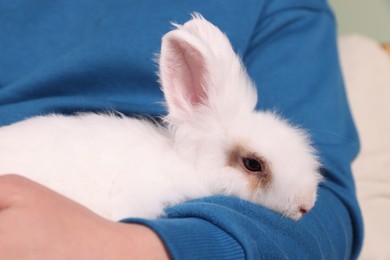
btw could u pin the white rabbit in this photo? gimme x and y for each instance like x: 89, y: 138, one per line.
x: 212, y: 142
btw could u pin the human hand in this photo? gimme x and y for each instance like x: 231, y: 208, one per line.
x: 38, y: 223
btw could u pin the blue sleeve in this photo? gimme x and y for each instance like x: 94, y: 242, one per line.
x: 292, y: 56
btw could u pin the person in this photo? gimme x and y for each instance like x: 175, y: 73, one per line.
x: 72, y: 56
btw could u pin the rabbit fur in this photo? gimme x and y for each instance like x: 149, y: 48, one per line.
x: 125, y: 167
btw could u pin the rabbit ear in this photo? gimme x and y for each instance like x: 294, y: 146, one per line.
x: 184, y: 72
x: 199, y: 70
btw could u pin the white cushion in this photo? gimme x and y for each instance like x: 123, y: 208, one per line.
x: 366, y: 68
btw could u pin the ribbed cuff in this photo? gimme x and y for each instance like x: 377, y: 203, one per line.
x: 193, y: 238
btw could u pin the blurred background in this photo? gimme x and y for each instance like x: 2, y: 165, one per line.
x: 364, y: 28
x: 367, y: 17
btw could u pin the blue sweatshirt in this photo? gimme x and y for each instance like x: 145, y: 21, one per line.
x: 71, y: 56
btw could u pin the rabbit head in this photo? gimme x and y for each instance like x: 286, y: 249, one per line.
x: 236, y: 150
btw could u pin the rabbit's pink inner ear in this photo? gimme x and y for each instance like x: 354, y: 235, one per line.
x: 186, y: 74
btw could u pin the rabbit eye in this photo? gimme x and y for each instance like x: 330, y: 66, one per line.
x: 255, y: 168
x: 252, y: 164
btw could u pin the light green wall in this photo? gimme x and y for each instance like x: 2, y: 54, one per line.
x: 367, y: 17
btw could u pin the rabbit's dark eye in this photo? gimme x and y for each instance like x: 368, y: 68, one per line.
x: 252, y: 164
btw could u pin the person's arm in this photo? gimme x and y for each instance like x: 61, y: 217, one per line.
x: 38, y: 223
x: 292, y: 56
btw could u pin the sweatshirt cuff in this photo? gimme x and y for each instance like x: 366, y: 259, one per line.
x: 193, y: 238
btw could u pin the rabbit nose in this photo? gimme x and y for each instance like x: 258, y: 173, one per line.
x: 303, y: 210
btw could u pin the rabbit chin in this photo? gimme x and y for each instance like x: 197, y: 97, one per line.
x: 291, y: 207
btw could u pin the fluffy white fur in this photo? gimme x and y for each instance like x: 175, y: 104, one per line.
x: 121, y: 167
